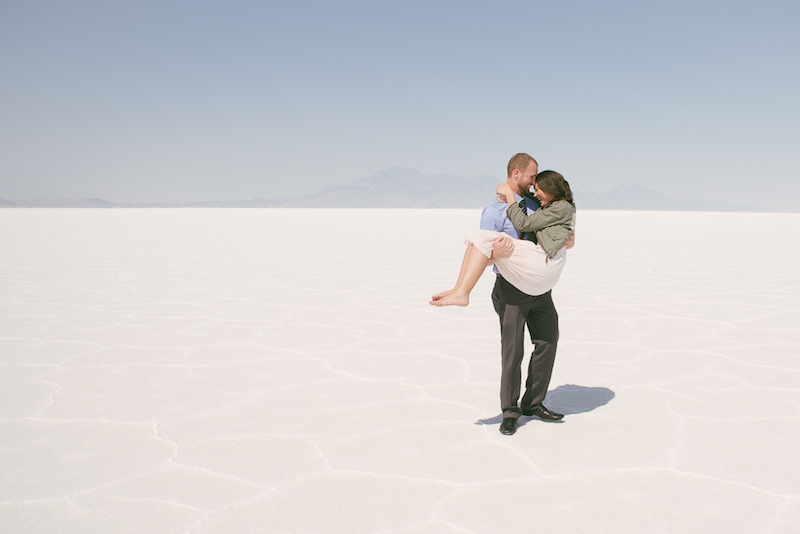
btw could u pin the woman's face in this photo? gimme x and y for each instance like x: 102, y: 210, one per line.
x: 543, y: 198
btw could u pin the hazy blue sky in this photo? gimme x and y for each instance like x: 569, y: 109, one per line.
x: 166, y: 101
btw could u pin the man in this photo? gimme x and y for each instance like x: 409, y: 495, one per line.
x: 516, y: 309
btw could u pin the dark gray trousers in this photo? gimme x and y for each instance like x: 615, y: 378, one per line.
x: 516, y: 309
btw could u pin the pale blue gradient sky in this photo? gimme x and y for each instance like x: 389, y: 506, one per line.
x: 171, y: 101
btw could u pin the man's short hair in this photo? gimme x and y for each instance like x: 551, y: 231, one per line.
x: 520, y: 162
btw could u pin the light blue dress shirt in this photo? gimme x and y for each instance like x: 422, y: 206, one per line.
x: 494, y: 217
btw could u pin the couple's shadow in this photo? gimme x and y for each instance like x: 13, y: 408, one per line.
x: 568, y: 399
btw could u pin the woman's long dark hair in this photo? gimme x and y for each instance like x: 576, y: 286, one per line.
x: 554, y: 185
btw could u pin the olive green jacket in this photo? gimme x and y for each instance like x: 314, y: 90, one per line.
x: 553, y: 224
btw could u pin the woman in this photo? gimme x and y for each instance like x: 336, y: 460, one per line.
x: 533, y: 268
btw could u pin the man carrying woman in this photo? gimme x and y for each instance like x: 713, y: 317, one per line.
x: 526, y: 270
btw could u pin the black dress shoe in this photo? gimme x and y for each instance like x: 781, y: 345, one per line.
x: 508, y: 426
x: 543, y: 413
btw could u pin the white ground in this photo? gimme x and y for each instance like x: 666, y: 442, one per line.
x: 280, y: 371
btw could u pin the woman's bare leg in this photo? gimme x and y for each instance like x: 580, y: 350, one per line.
x: 472, y: 268
x: 439, y: 296
x: 460, y: 279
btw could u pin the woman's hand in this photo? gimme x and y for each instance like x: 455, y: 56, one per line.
x: 504, y: 193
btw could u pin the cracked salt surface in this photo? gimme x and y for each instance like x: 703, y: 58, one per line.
x: 201, y: 371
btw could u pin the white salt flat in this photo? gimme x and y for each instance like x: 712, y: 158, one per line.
x: 281, y: 371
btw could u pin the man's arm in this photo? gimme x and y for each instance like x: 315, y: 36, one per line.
x: 492, y: 219
x: 502, y: 248
x: 489, y: 218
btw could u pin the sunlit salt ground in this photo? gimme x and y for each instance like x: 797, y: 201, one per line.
x: 280, y: 371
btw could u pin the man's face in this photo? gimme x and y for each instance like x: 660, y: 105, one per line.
x: 527, y: 177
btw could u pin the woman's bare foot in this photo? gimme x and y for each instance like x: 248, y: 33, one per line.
x: 439, y: 296
x: 451, y: 300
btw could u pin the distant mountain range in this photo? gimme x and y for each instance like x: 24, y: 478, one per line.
x: 636, y: 197
x: 400, y: 187
x: 57, y: 203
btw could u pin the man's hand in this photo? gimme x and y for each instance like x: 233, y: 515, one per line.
x: 502, y: 248
x: 571, y: 241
